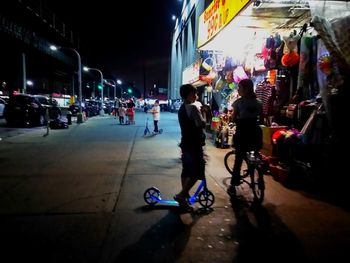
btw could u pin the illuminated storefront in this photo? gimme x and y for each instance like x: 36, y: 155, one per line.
x: 297, y: 49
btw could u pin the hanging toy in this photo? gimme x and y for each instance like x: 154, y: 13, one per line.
x: 325, y: 64
x: 291, y: 56
x: 290, y: 59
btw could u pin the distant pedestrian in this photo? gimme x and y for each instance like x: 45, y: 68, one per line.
x: 156, y: 115
x: 47, y: 118
x: 121, y: 113
x: 130, y: 111
x: 117, y: 104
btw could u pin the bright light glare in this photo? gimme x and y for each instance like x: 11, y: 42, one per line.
x: 85, y: 68
x: 250, y: 41
x: 119, y: 81
x: 30, y: 83
x: 173, y: 17
x: 52, y: 47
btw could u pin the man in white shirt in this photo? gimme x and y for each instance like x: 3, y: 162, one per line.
x: 197, y: 103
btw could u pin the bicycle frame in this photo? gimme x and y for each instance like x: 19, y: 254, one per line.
x: 194, y: 197
x: 254, y: 171
x: 256, y: 183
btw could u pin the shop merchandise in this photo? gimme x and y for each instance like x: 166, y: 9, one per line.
x: 291, y: 64
x: 267, y: 94
x: 239, y: 74
x: 291, y: 42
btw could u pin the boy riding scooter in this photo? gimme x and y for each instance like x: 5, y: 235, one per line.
x: 155, y: 110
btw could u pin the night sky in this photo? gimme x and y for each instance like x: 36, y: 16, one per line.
x: 123, y: 38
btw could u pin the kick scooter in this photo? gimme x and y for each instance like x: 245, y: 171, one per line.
x: 202, y: 195
x: 148, y: 132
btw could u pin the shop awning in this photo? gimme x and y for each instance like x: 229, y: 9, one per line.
x: 260, y: 18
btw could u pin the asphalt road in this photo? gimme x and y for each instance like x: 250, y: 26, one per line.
x: 76, y: 195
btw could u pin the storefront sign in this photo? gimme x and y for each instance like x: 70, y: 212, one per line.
x: 218, y: 14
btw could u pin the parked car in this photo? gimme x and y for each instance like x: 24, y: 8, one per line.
x: 92, y: 108
x: 5, y: 98
x: 175, y: 105
x: 24, y: 110
x: 74, y: 108
x: 108, y: 107
x: 2, y: 107
x: 51, y: 105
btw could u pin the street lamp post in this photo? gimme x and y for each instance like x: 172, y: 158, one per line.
x: 114, y: 84
x: 99, y: 71
x: 54, y: 48
x: 80, y: 116
x: 119, y: 82
x: 115, y: 91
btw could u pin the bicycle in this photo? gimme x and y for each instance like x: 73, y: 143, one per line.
x: 252, y: 174
x: 202, y: 195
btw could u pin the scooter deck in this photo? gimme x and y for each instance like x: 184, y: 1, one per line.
x: 164, y: 201
x: 191, y: 201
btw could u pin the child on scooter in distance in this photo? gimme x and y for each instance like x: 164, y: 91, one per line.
x: 156, y: 115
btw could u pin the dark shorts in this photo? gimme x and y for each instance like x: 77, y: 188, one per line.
x: 248, y: 137
x: 193, y: 165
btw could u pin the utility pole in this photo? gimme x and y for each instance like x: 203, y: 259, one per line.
x: 144, y: 80
x: 24, y: 73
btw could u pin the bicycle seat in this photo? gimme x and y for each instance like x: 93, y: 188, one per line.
x: 254, y: 157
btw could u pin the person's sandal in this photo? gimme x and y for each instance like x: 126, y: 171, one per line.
x: 231, y: 190
x: 236, y: 181
x: 183, y: 204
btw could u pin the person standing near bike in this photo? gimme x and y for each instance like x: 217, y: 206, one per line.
x: 247, y: 114
x: 192, y: 127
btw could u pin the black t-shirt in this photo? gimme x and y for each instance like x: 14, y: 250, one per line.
x: 191, y: 124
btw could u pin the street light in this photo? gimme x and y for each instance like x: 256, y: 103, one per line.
x: 99, y: 71
x: 115, y: 82
x: 80, y: 115
x: 119, y: 82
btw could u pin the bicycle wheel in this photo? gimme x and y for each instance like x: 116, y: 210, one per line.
x: 151, y: 196
x: 229, y: 160
x: 206, y: 198
x: 257, y: 185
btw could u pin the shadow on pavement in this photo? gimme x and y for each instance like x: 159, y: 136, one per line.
x: 163, y: 242
x: 261, y: 241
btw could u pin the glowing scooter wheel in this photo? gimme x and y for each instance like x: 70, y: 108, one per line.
x: 151, y: 196
x: 206, y: 199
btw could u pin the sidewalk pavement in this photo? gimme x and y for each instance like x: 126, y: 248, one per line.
x: 290, y: 226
